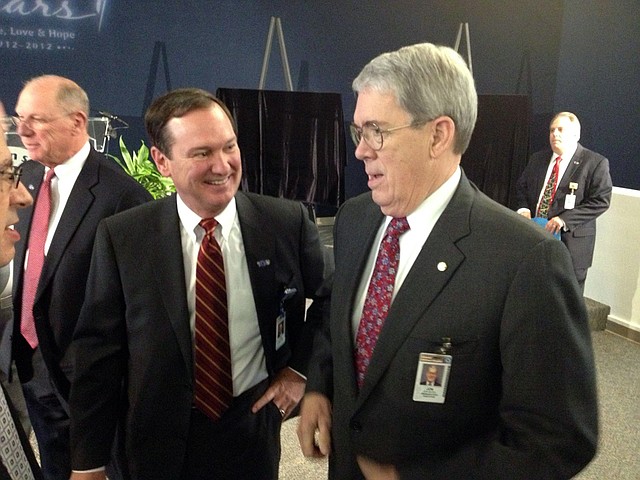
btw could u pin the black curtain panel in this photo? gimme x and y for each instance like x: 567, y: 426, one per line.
x: 499, y: 147
x: 292, y: 143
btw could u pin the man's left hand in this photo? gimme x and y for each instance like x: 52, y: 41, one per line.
x: 285, y: 392
x: 554, y: 225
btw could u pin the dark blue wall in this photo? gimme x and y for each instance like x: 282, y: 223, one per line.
x: 574, y: 55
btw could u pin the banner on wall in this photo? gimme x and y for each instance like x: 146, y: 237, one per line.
x: 49, y: 25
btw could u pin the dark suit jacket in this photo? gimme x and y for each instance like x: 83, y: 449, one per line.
x: 24, y: 441
x: 520, y: 400
x: 6, y: 321
x: 590, y: 171
x: 134, y: 343
x: 101, y: 189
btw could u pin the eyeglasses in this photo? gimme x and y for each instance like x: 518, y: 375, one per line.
x: 373, y: 135
x: 6, y: 122
x: 12, y: 174
x: 36, y: 123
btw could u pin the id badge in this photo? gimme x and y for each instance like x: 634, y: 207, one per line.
x: 281, y: 330
x: 432, y: 376
x: 570, y: 201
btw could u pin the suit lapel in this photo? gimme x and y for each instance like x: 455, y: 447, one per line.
x: 541, y: 176
x: 354, y: 253
x: 260, y: 250
x: 563, y: 186
x: 574, y: 164
x: 164, y: 248
x: 81, y: 199
x: 432, y: 270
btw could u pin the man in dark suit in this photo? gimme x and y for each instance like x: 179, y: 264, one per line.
x: 475, y: 289
x: 582, y: 193
x: 138, y: 341
x: 85, y: 187
x: 16, y: 457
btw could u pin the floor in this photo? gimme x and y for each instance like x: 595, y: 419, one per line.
x: 618, y: 458
x: 618, y: 373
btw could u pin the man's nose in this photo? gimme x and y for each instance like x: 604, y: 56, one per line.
x: 23, y: 129
x: 363, y: 150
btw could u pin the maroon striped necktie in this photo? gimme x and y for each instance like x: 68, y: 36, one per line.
x: 214, y: 384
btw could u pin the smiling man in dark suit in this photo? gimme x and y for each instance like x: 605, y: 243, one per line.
x: 85, y: 187
x: 142, y: 330
x: 582, y: 191
x: 428, y: 270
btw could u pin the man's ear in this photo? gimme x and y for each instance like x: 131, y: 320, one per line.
x: 443, y: 136
x: 161, y: 161
x: 80, y: 122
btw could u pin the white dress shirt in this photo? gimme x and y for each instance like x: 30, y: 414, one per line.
x: 248, y: 362
x: 61, y: 185
x: 564, y: 164
x: 421, y: 222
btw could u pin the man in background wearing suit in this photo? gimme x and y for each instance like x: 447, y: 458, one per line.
x: 582, y: 190
x: 143, y: 330
x: 16, y: 457
x: 80, y: 187
x: 469, y: 285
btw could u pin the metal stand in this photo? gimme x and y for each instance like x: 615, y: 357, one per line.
x: 277, y: 25
x: 465, y: 25
x: 159, y: 52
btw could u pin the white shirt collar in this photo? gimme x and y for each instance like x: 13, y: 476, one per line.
x: 71, y: 168
x: 429, y: 211
x: 566, y: 156
x: 190, y: 220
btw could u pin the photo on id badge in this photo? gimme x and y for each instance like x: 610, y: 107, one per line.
x: 432, y: 376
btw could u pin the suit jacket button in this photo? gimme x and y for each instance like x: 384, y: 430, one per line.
x: 356, y: 426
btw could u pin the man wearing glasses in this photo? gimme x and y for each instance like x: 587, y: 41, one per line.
x: 74, y: 188
x: 16, y: 457
x: 431, y: 272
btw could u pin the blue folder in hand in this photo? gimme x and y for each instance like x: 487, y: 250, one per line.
x: 542, y: 222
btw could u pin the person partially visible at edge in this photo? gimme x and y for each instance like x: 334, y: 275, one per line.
x: 13, y: 196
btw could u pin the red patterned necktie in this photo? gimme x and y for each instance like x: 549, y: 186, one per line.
x: 378, y: 300
x: 550, y: 190
x: 35, y: 262
x: 214, y: 385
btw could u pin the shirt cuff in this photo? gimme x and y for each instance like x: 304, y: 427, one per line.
x: 93, y: 470
x: 298, y: 373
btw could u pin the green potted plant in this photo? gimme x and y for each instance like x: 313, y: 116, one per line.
x: 143, y: 170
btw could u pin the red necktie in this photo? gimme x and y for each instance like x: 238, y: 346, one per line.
x: 37, y: 239
x: 214, y: 384
x: 550, y: 190
x: 378, y: 300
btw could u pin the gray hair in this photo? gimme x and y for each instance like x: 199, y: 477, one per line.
x: 428, y: 81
